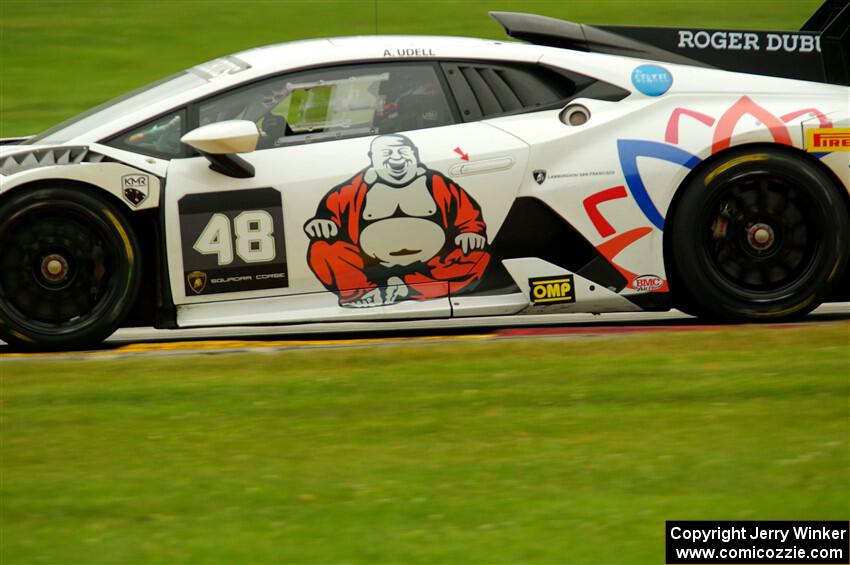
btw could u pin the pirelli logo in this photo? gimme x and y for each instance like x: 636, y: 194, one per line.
x: 552, y: 290
x: 828, y: 139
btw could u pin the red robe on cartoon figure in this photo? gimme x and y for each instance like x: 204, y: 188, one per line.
x: 397, y: 231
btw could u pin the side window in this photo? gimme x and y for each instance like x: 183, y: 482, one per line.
x: 485, y: 90
x: 336, y: 103
x: 157, y: 138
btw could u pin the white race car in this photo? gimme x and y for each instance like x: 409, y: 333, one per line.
x: 379, y: 178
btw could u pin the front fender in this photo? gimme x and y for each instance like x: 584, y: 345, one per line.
x: 136, y: 189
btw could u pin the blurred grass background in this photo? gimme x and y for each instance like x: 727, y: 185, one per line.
x: 564, y: 450
x: 58, y: 58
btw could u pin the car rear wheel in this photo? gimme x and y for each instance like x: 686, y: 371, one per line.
x: 69, y: 268
x: 760, y: 235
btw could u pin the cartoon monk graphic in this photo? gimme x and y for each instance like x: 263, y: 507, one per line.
x: 397, y: 231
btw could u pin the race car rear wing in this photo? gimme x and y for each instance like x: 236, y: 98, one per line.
x: 819, y: 52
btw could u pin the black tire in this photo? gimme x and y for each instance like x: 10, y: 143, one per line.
x: 761, y: 235
x: 69, y: 268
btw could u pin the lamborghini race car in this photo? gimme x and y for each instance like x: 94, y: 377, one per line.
x: 588, y: 169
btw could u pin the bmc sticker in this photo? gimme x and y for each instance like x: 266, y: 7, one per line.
x: 828, y: 139
x: 232, y: 241
x: 652, y: 80
x: 647, y: 283
x: 552, y: 290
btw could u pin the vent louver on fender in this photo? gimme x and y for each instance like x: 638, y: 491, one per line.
x: 18, y: 162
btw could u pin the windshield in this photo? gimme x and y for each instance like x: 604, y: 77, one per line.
x: 117, y: 107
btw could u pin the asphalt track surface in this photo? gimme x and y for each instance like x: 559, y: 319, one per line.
x: 149, y: 341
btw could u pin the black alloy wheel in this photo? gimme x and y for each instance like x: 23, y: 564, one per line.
x: 68, y: 268
x: 760, y: 235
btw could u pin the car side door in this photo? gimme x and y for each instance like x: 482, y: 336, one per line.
x: 367, y: 192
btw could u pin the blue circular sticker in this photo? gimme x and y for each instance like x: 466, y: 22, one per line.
x: 652, y: 80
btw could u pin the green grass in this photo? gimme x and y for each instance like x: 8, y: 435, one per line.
x: 555, y: 451
x: 58, y: 58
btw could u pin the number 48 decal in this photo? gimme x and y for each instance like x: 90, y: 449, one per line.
x: 232, y: 241
x: 254, y: 231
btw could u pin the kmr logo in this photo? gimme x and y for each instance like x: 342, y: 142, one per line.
x: 652, y: 80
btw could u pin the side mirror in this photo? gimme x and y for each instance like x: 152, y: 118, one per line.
x: 221, y: 138
x: 219, y: 143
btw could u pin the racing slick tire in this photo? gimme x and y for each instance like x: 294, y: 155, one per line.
x: 69, y: 268
x: 762, y: 235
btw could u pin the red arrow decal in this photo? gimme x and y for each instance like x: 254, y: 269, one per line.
x: 464, y: 156
x: 745, y: 106
x: 591, y: 206
x: 672, y: 134
x: 824, y: 121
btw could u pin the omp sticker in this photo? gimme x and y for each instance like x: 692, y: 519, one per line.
x: 551, y: 290
x: 827, y: 139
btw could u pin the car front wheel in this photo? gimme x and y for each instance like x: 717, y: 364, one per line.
x: 69, y: 268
